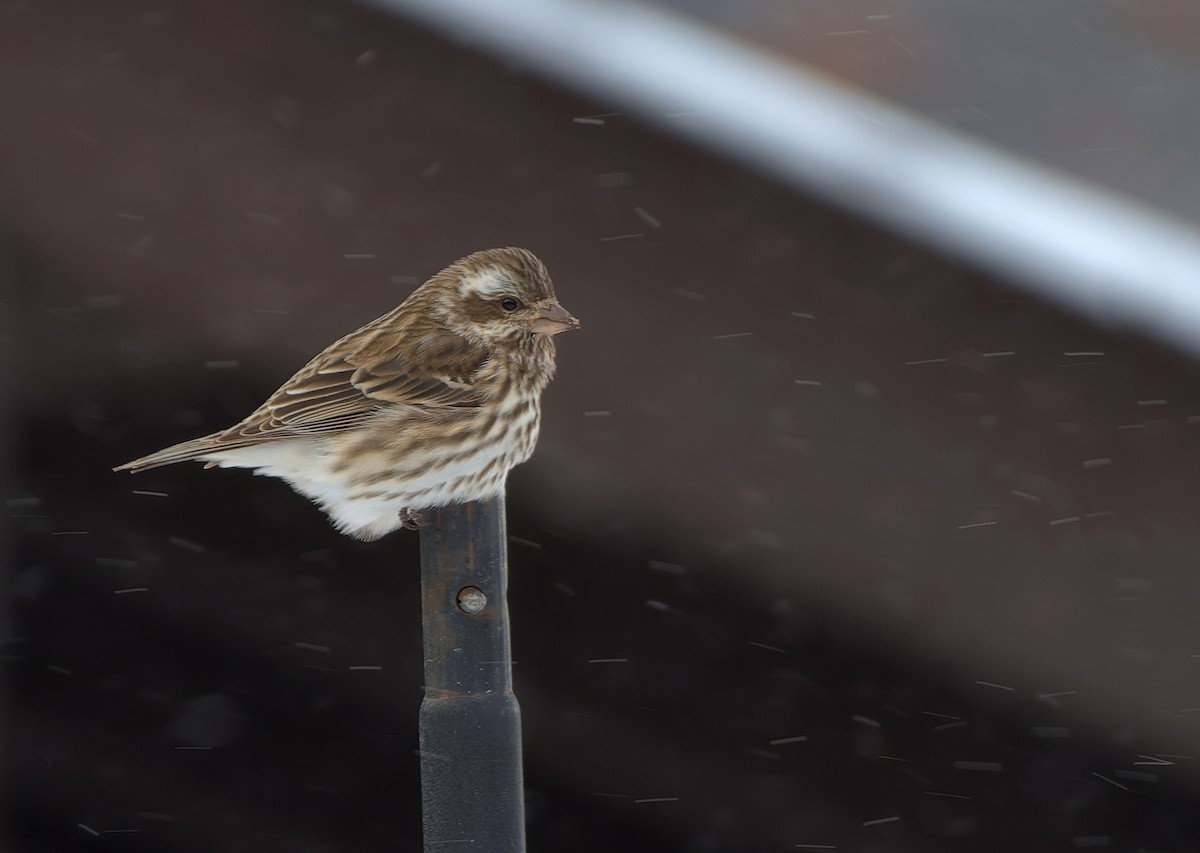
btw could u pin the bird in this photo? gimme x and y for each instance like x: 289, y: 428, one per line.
x: 431, y: 404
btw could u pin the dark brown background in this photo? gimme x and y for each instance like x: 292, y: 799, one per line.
x: 962, y: 565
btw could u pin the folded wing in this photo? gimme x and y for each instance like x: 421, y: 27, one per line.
x: 339, y: 391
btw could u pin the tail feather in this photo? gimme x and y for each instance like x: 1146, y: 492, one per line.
x: 186, y: 451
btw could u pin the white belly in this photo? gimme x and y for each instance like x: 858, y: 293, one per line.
x: 369, y: 511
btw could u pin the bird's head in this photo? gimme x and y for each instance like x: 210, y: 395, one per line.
x: 500, y: 295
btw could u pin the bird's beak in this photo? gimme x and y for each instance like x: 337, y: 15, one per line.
x: 552, y: 319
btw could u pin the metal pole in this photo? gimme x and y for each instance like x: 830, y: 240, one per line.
x: 1084, y: 247
x: 472, y: 786
x: 8, y: 429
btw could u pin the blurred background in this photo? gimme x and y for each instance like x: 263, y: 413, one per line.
x: 839, y: 537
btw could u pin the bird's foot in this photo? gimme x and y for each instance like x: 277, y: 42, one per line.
x: 411, y: 519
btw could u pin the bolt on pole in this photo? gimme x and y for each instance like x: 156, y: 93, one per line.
x: 472, y: 782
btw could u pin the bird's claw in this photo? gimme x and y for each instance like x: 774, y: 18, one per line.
x: 411, y: 519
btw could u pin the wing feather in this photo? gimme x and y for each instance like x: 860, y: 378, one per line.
x: 338, y: 392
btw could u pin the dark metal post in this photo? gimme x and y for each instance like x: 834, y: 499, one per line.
x: 472, y: 784
x: 8, y: 429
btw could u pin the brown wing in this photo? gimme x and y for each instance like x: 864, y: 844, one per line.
x: 418, y: 365
x: 337, y: 391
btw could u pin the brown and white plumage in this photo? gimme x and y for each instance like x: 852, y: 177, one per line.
x: 428, y: 405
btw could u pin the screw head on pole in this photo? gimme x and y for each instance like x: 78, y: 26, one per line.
x: 471, y: 599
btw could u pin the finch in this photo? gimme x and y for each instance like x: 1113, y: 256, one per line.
x: 431, y: 404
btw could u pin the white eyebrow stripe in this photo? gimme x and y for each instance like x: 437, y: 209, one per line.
x: 485, y: 283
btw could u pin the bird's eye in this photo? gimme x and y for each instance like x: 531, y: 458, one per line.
x: 509, y: 304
